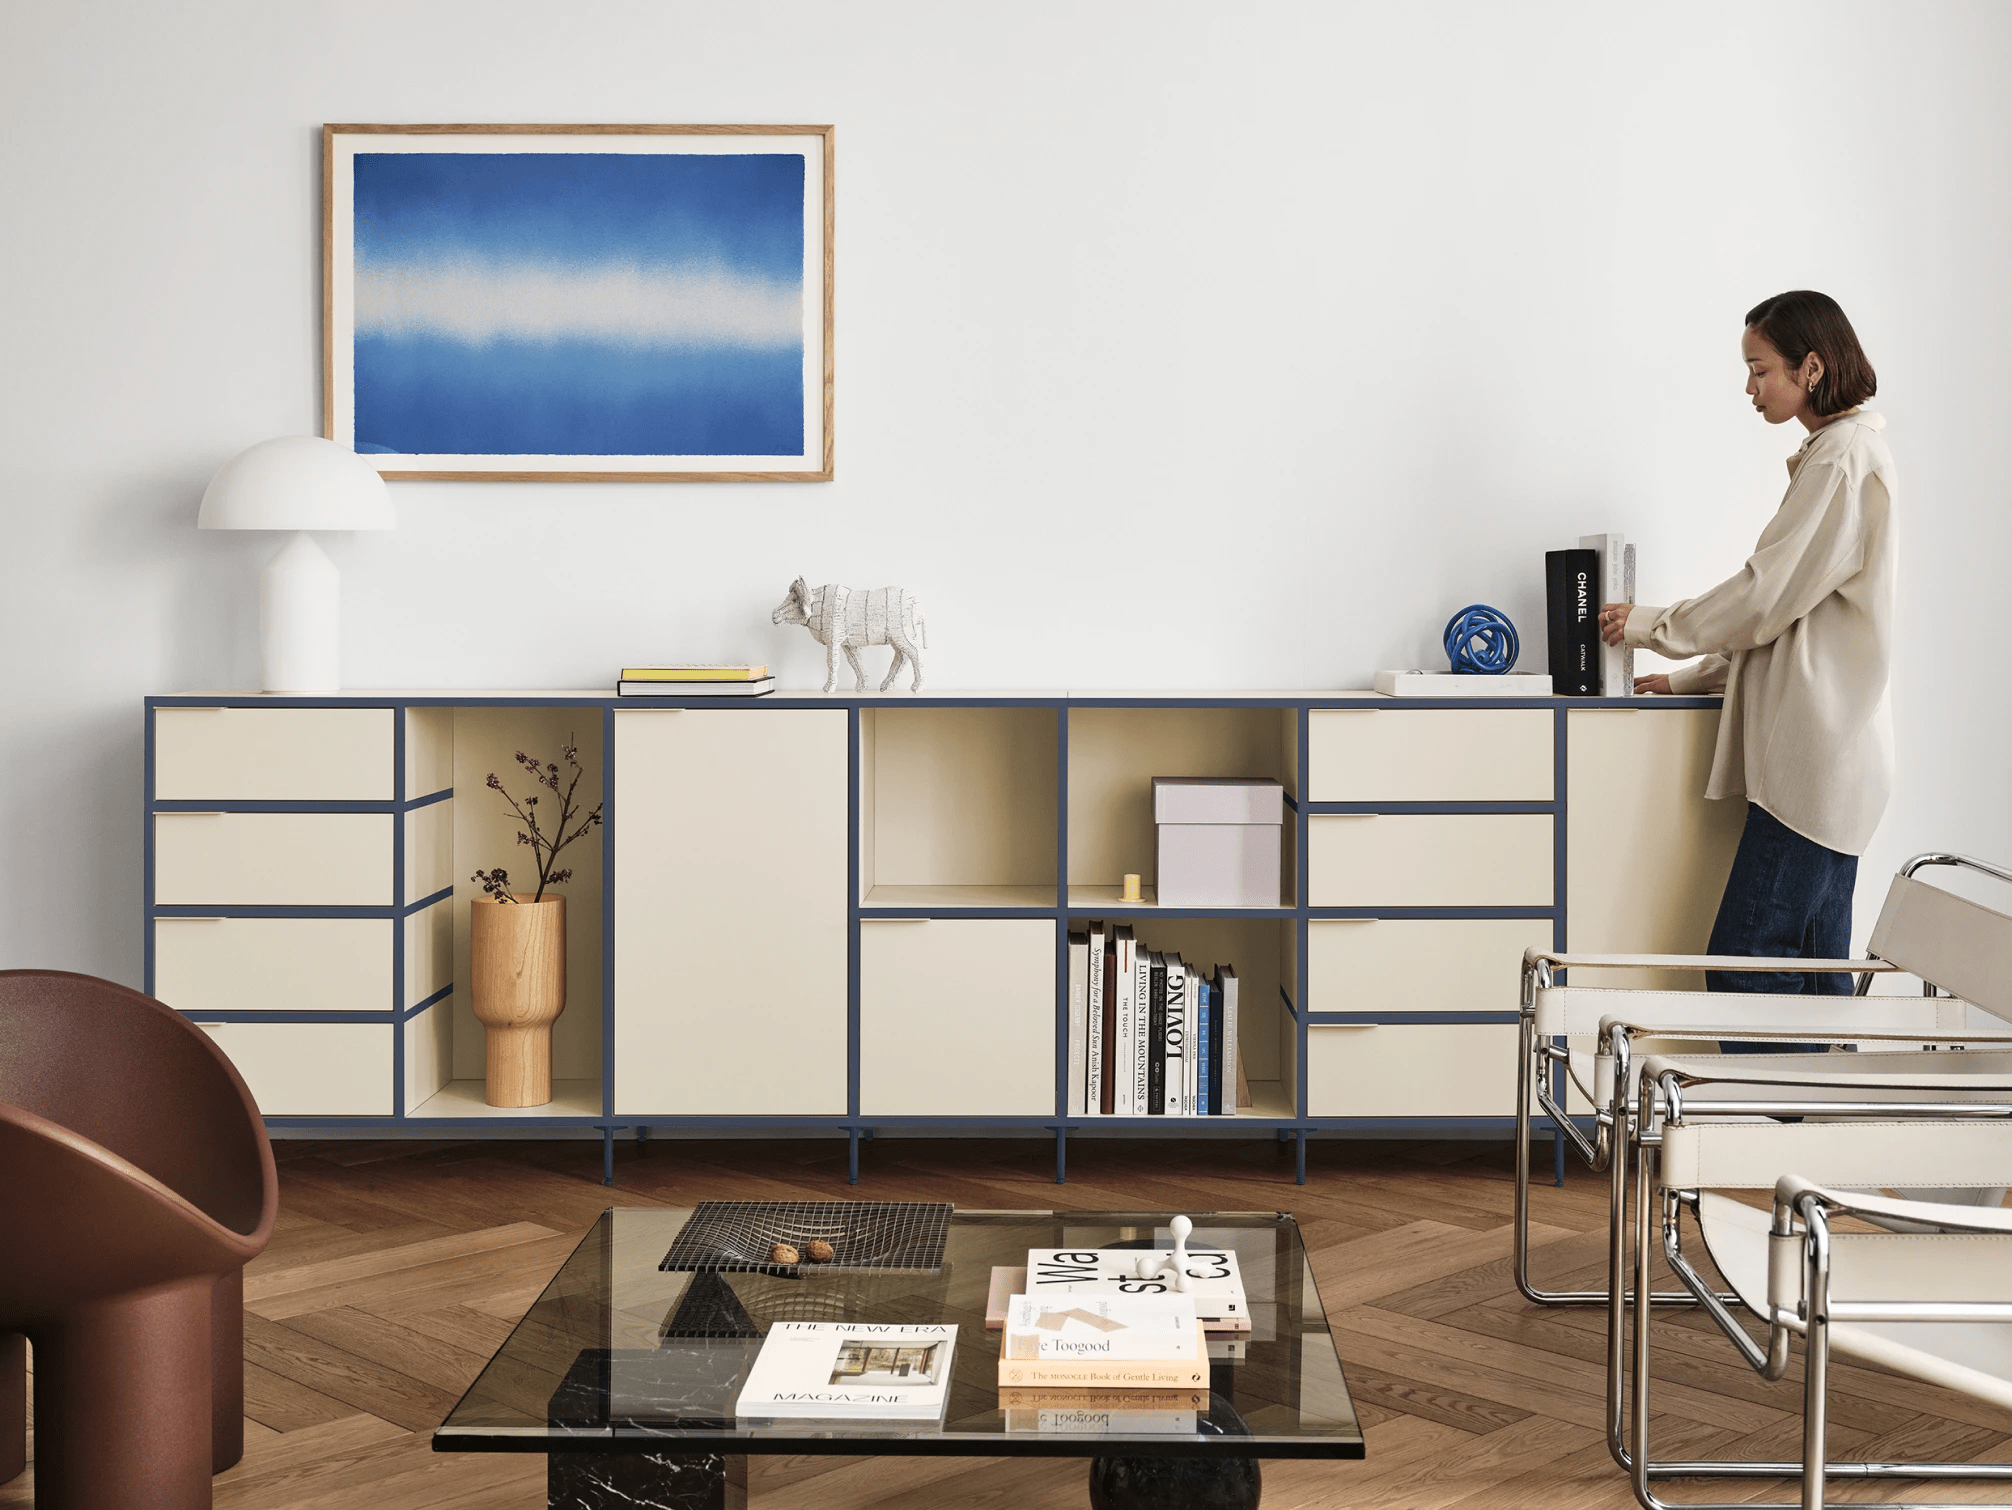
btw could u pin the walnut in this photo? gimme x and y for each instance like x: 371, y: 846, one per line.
x: 818, y: 1251
x: 782, y: 1253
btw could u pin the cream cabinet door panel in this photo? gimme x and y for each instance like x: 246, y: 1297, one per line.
x: 311, y: 1069
x: 1392, y: 965
x: 273, y: 859
x: 1429, y: 755
x: 1412, y: 1070
x: 273, y: 754
x: 273, y: 964
x: 1429, y: 860
x: 729, y: 829
x: 1646, y: 855
x: 957, y: 1017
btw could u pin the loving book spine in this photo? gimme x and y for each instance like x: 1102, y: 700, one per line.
x: 1093, y: 1049
x: 1079, y: 1018
x: 1571, y: 619
x: 1177, y: 1038
x: 1156, y: 1037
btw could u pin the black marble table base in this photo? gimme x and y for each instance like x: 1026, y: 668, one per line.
x: 1174, y: 1483
x: 645, y: 1481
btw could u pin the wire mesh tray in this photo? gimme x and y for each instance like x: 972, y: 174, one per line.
x: 736, y: 1237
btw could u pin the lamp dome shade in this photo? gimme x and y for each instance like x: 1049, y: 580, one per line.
x: 296, y: 482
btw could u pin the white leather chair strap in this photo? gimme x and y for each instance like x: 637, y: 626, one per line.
x: 1752, y: 1155
x: 1960, y: 945
x: 1580, y: 1011
x: 1969, y: 1073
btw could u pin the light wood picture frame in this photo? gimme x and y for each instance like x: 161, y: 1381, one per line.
x: 573, y: 303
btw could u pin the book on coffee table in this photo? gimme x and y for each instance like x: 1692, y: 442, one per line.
x: 849, y: 1370
x: 1215, y: 1283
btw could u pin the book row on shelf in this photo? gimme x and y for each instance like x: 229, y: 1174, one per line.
x: 1150, y: 1034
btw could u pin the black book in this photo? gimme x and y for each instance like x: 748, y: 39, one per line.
x: 1156, y: 1044
x: 1215, y: 1106
x: 1572, y: 619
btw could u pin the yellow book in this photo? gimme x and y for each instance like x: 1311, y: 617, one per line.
x: 693, y: 673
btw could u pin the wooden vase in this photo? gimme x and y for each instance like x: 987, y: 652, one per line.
x: 517, y: 958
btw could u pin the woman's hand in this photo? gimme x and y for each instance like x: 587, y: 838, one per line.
x: 1660, y: 682
x: 1614, y: 622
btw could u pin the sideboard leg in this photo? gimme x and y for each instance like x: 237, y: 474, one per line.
x: 852, y: 1155
x: 607, y: 1156
x: 1061, y: 1156
x: 1299, y: 1176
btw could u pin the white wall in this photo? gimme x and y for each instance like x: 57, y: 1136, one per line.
x: 1342, y: 313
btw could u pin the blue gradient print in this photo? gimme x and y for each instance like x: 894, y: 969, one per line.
x: 579, y: 304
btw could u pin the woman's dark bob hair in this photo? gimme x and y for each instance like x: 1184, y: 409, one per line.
x: 1801, y: 321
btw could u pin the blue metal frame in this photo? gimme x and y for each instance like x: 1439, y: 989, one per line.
x: 854, y: 1125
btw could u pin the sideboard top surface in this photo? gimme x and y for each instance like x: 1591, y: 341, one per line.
x: 1287, y: 697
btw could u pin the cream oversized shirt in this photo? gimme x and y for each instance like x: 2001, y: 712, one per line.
x: 1801, y: 639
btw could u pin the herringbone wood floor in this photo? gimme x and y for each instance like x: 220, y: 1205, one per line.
x: 399, y: 1267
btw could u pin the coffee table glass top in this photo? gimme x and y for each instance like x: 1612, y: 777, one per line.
x: 619, y: 1355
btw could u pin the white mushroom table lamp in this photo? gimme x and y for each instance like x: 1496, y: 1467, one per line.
x: 298, y: 483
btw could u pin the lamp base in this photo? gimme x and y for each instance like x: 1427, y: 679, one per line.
x: 300, y: 619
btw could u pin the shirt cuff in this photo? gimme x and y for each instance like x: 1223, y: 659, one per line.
x: 1640, y: 619
x: 1694, y: 679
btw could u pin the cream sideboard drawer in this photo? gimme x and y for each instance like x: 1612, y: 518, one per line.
x: 1391, y: 965
x: 1412, y: 1070
x: 273, y: 754
x: 273, y: 964
x: 957, y: 1017
x: 1429, y: 755
x: 311, y: 1069
x: 1429, y: 860
x: 273, y: 859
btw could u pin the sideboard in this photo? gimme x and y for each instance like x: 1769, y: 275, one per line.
x: 837, y: 914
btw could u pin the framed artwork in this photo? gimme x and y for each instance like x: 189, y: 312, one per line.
x: 585, y: 303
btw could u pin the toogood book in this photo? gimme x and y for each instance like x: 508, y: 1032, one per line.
x: 850, y: 1370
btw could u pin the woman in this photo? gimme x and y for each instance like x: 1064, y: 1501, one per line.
x: 1800, y: 641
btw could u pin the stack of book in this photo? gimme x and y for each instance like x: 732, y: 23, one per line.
x: 1150, y: 1034
x: 694, y: 681
x: 1103, y: 1342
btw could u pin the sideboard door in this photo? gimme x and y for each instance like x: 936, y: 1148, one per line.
x: 1646, y: 853
x: 730, y: 834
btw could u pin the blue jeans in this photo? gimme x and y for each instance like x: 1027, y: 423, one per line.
x: 1787, y: 897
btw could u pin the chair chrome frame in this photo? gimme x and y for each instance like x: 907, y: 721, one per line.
x: 1541, y: 1064
x: 1658, y: 1209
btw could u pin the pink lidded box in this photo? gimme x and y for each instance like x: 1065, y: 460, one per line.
x: 1219, y: 840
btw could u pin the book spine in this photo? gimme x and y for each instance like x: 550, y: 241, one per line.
x: 1142, y: 986
x: 1093, y: 1052
x: 1156, y: 1037
x: 1177, y: 1037
x: 1079, y: 1020
x: 1128, y: 1001
x: 1101, y: 1399
x: 1616, y: 679
x: 1572, y: 621
x: 1217, y: 1041
x: 1141, y: 1373
x: 1107, y: 1047
x: 1203, y: 1079
x: 1628, y: 597
x: 1232, y: 1077
x: 1192, y: 1047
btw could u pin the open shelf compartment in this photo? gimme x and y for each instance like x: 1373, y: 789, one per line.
x: 957, y: 807
x: 444, y: 1044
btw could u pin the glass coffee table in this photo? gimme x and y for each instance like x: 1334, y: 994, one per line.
x: 626, y: 1375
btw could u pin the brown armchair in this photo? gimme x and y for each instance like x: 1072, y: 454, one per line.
x: 137, y: 1181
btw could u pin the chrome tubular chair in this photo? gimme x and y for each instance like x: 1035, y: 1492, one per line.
x: 1949, y: 942
x: 1914, y: 1305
